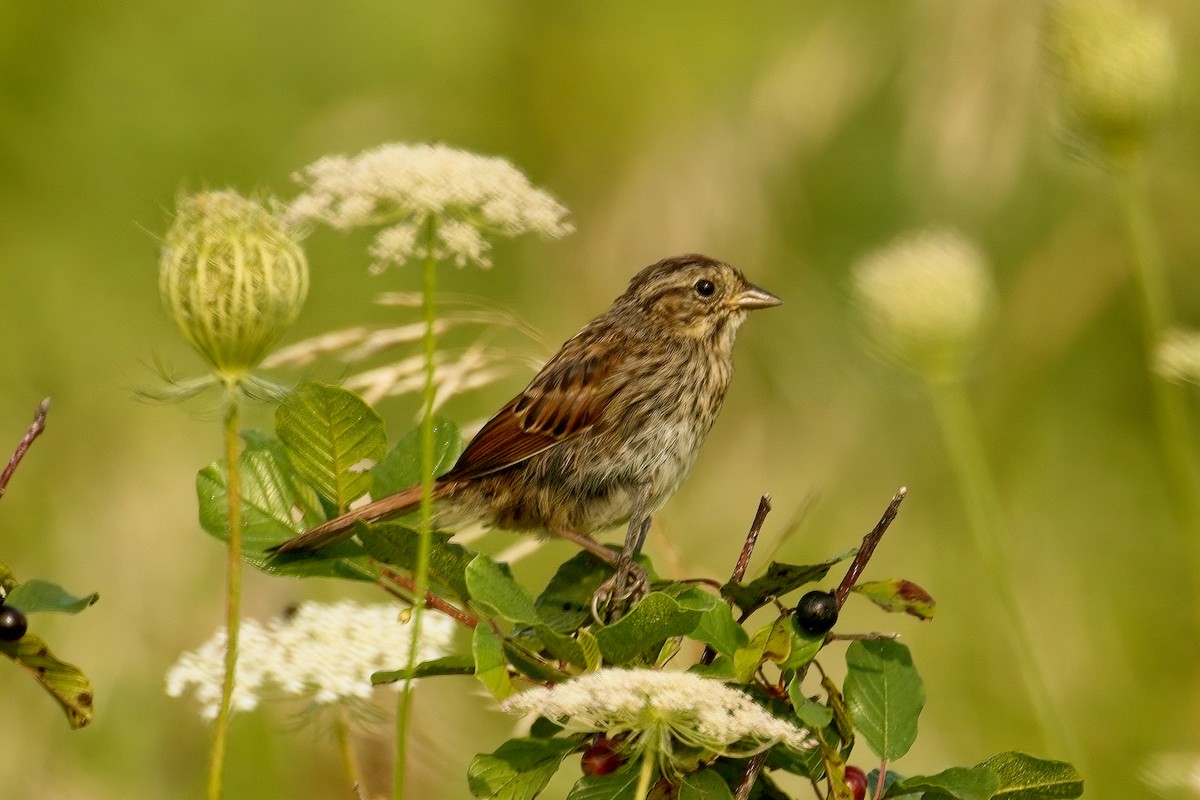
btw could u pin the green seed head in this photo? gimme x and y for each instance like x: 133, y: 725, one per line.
x: 1117, y: 73
x: 232, y: 278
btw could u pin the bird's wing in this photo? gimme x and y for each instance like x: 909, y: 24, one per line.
x: 564, y: 399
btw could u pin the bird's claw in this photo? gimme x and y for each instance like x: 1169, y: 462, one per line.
x: 629, y: 584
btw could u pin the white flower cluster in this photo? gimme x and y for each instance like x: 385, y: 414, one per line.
x: 1177, y: 356
x: 406, y: 187
x: 925, y: 299
x: 323, y: 651
x: 655, y: 709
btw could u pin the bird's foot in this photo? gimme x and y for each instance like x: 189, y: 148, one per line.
x: 628, y: 584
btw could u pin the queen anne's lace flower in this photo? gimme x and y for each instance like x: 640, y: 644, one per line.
x: 672, y: 716
x: 404, y: 188
x: 326, y: 652
x: 925, y: 300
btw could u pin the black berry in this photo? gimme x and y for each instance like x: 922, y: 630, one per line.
x: 12, y: 624
x: 817, y: 612
x: 601, y: 758
x: 856, y: 780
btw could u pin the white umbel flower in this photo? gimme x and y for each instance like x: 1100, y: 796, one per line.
x: 404, y: 188
x: 1177, y: 357
x: 676, y: 717
x: 925, y: 299
x: 325, y: 652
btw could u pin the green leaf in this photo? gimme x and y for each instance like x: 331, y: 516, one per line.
x: 274, y: 509
x: 8, y: 581
x: 962, y: 783
x: 563, y: 646
x: 531, y: 665
x: 401, y: 467
x: 640, y: 634
x: 491, y: 667
x: 447, y: 665
x: 705, y: 784
x: 65, y: 682
x: 519, y: 769
x: 898, y: 594
x: 805, y: 646
x: 333, y: 439
x: 717, y: 627
x: 619, y: 785
x: 493, y: 589
x: 1023, y: 777
x: 565, y: 603
x: 778, y: 580
x: 884, y: 694
x: 37, y: 595
x: 811, y: 713
x: 772, y: 642
x: 396, y: 544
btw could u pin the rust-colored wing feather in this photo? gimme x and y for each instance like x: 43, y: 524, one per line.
x: 565, y: 398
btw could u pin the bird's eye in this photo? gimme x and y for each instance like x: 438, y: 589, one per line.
x: 705, y: 288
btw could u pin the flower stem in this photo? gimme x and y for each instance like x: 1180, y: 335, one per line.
x: 1170, y: 400
x: 346, y: 747
x: 981, y: 502
x: 421, y: 577
x: 647, y: 772
x: 216, y: 765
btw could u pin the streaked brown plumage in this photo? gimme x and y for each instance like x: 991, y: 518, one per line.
x: 609, y: 428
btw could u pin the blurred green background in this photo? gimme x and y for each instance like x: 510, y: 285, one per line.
x: 788, y: 138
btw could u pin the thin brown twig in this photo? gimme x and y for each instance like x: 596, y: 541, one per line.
x: 743, y: 562
x: 749, y: 776
x: 431, y: 599
x: 869, y: 543
x: 35, y: 429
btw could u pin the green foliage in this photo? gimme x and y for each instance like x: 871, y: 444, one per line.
x: 885, y: 695
x: 333, y: 439
x: 315, y: 465
x: 64, y: 682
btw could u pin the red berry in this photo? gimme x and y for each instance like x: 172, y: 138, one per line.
x: 12, y: 624
x: 601, y: 758
x: 856, y: 779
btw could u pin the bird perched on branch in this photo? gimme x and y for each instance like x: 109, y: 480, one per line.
x: 608, y: 429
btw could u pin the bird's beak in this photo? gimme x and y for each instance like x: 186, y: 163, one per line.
x: 754, y: 297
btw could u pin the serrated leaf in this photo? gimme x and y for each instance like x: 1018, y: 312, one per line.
x: 717, y: 627
x: 333, y: 438
x: 447, y: 665
x: 492, y: 588
x: 397, y: 544
x: 274, y: 509
x: 898, y: 594
x: 401, y: 467
x: 778, y: 580
x: 704, y: 784
x: 565, y: 603
x: 36, y: 595
x: 518, y: 770
x: 491, y: 667
x: 65, y: 682
x: 961, y: 783
x: 884, y: 694
x: 619, y: 785
x: 1023, y: 777
x: 639, y: 635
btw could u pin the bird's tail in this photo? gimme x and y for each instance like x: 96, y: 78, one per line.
x: 339, y: 528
